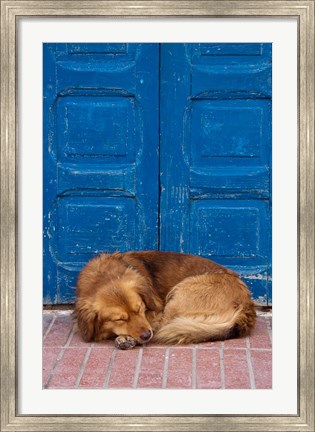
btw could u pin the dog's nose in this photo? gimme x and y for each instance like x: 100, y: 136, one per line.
x: 145, y: 336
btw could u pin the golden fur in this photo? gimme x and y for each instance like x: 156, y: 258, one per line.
x: 165, y: 297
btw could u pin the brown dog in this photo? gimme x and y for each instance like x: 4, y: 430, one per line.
x: 168, y: 297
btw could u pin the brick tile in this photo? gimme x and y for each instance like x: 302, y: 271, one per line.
x: 262, y: 366
x: 235, y: 343
x: 77, y: 341
x: 180, y: 368
x: 59, y: 332
x: 208, y: 370
x: 152, y: 367
x: 260, y: 336
x: 96, y: 368
x: 269, y: 326
x: 161, y: 345
x: 49, y: 359
x: 68, y: 368
x: 106, y: 343
x: 47, y: 320
x: 123, y: 368
x: 156, y: 345
x: 236, y: 369
x: 216, y: 344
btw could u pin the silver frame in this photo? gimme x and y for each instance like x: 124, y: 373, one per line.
x: 10, y: 12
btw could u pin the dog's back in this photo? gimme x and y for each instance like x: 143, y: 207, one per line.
x: 167, y: 269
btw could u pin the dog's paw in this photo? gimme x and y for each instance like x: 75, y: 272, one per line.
x: 125, y: 342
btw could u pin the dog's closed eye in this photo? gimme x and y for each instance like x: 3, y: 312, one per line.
x: 118, y: 318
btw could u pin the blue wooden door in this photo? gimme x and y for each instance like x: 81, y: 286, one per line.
x: 216, y: 156
x: 157, y: 146
x: 101, y: 161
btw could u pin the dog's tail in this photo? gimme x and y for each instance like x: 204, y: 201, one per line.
x: 201, y: 328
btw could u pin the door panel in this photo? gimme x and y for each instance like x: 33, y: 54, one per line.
x: 232, y: 136
x: 238, y: 234
x: 100, y: 156
x: 233, y: 70
x: 216, y: 175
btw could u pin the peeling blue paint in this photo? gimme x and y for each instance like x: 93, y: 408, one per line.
x: 157, y: 146
x: 218, y: 121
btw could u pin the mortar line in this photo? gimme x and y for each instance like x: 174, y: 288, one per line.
x: 269, y: 329
x: 221, y: 351
x: 59, y: 357
x: 245, y: 348
x: 137, y: 369
x: 109, y: 368
x: 165, y: 370
x: 194, y: 366
x: 50, y: 326
x: 53, y: 370
x: 82, y: 368
x: 69, y: 338
x: 250, y: 365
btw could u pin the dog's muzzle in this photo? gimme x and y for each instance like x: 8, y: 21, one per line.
x: 146, y: 336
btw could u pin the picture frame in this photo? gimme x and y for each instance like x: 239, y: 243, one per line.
x: 11, y: 11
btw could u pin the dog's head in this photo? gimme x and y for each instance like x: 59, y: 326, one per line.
x: 116, y: 308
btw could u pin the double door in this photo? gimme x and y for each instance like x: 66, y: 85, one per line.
x: 157, y: 146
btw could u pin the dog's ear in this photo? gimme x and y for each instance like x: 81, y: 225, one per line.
x: 87, y: 321
x: 148, y: 298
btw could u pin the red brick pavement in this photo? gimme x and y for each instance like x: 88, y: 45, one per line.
x: 70, y: 363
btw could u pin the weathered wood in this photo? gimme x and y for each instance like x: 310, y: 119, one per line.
x: 216, y: 156
x: 100, y: 156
